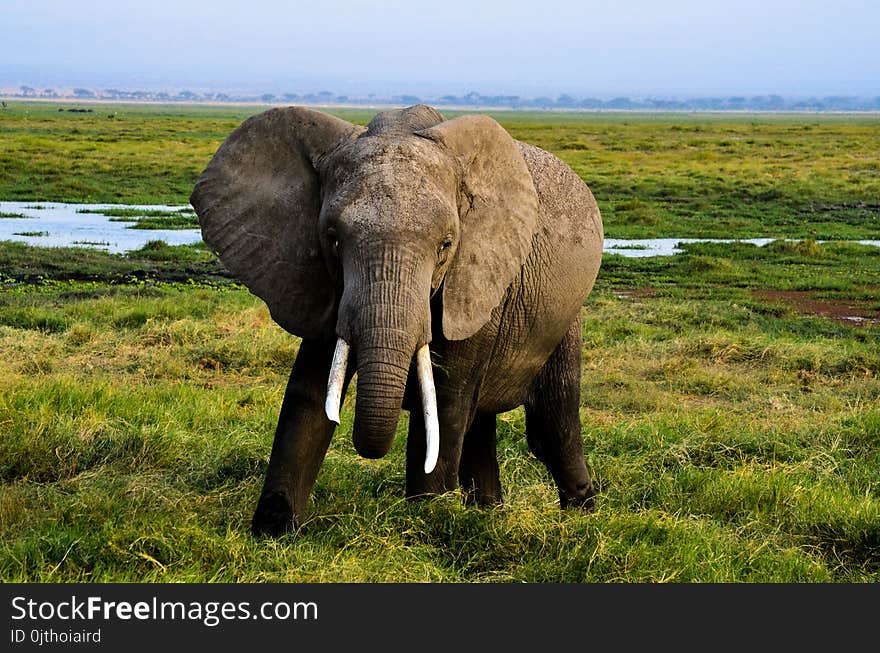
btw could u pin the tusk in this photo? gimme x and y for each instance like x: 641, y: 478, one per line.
x: 336, y: 381
x: 429, y: 405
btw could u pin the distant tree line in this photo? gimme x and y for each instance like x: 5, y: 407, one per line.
x: 474, y: 99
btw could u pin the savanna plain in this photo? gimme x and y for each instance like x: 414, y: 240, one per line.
x: 730, y: 394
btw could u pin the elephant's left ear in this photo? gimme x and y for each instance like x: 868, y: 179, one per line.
x: 499, y: 213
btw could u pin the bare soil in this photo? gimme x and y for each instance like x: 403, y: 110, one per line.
x: 806, y: 302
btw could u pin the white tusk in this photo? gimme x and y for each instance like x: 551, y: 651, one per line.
x: 336, y: 381
x: 429, y: 406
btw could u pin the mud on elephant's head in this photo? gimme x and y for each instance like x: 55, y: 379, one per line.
x: 347, y: 232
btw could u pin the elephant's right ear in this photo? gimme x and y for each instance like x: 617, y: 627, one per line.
x: 258, y: 203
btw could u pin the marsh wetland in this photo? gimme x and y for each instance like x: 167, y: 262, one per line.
x: 730, y: 393
x: 110, y: 227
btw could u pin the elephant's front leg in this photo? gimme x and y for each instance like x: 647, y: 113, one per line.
x: 455, y: 416
x: 478, y: 471
x: 301, y: 440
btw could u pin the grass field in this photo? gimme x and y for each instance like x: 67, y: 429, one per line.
x: 802, y: 176
x: 730, y: 395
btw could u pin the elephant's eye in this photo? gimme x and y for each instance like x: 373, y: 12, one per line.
x: 445, y: 245
x: 333, y: 239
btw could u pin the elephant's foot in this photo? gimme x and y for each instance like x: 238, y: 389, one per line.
x: 478, y: 470
x: 584, y: 497
x: 483, y: 495
x: 273, y: 516
x: 483, y: 500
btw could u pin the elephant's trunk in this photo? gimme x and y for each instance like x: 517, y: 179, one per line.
x: 382, y: 369
x: 384, y: 315
x: 428, y: 392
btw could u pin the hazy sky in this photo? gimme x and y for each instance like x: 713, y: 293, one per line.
x: 663, y: 47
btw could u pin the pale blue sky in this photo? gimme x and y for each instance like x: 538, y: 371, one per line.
x: 667, y: 47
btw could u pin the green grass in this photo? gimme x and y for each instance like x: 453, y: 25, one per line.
x: 150, y: 218
x: 173, y: 222
x: 97, y: 243
x: 800, y: 176
x: 155, y: 261
x: 732, y: 439
x: 127, y: 212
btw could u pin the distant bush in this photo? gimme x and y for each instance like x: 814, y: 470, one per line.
x: 636, y: 211
x: 807, y: 248
x: 154, y: 246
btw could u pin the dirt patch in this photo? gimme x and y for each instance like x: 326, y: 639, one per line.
x: 839, y: 206
x: 806, y: 302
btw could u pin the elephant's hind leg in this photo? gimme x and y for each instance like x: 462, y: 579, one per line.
x: 478, y: 470
x: 553, y: 426
x: 301, y: 440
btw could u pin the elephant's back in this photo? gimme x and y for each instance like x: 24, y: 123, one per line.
x: 567, y: 244
x: 568, y: 208
x: 555, y: 279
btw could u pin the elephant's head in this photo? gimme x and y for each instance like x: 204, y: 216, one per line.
x: 347, y: 232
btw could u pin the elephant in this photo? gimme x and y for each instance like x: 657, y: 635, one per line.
x: 442, y: 261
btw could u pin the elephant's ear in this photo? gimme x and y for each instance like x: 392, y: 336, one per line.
x: 258, y: 203
x: 499, y: 212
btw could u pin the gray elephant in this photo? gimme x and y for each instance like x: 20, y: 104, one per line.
x: 443, y: 261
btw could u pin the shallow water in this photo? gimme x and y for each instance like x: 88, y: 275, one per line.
x: 63, y: 226
x: 636, y: 248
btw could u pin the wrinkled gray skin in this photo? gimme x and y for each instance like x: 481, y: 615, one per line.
x: 414, y: 230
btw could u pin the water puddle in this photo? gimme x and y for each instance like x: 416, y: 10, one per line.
x: 56, y: 224
x: 636, y: 248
